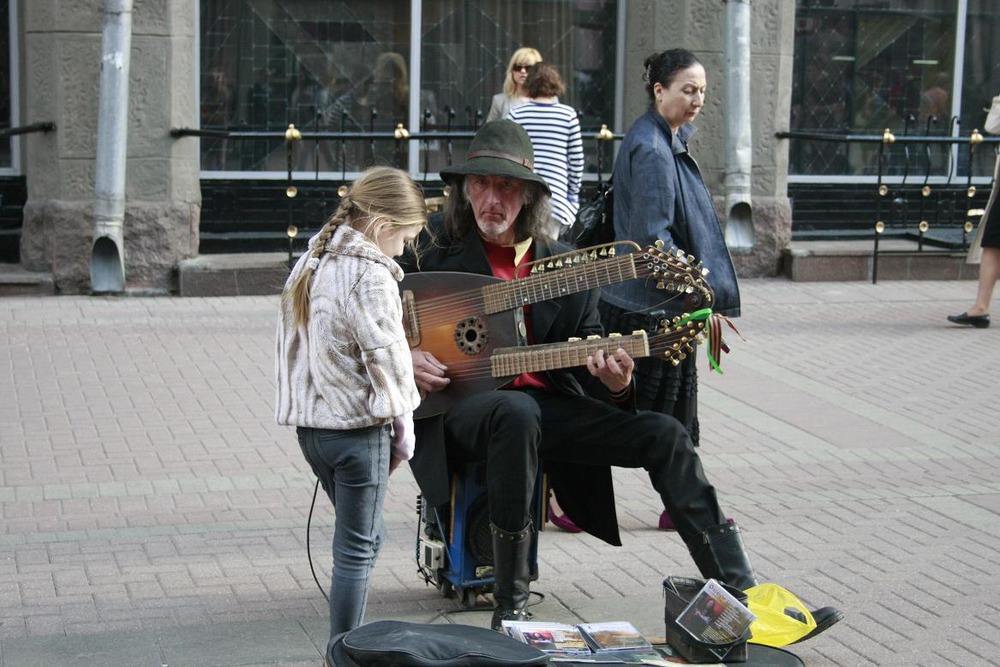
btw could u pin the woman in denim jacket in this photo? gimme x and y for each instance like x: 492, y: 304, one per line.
x: 661, y: 196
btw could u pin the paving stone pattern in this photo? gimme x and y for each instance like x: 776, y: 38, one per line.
x: 153, y: 513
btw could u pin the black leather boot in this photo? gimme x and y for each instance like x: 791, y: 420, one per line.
x: 511, y: 575
x: 721, y: 556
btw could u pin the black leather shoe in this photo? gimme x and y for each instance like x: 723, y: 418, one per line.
x: 501, y: 614
x: 826, y: 618
x: 978, y: 321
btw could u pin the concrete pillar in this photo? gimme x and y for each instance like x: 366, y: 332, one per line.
x: 62, y: 47
x: 656, y: 25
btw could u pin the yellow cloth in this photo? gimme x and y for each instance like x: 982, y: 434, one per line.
x: 774, y: 627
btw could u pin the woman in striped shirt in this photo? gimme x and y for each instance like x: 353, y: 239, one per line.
x: 554, y: 129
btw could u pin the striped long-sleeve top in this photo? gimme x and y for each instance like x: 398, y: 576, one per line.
x: 555, y: 135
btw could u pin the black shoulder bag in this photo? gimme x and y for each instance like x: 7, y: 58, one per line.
x: 595, y: 219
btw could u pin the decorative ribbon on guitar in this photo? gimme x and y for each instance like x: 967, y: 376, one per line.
x: 713, y: 326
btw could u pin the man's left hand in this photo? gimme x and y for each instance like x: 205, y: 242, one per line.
x: 614, y: 370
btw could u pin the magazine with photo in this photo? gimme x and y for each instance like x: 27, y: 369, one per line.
x: 617, y: 641
x: 715, y: 616
x: 614, y: 636
x: 553, y: 638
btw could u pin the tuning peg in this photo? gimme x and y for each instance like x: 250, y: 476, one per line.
x: 550, y: 265
x: 593, y: 337
x: 559, y: 264
x: 614, y: 335
x: 658, y: 244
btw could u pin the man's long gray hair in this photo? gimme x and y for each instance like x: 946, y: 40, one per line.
x: 535, y: 212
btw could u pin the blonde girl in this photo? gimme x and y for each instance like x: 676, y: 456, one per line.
x: 514, y: 91
x: 344, y: 374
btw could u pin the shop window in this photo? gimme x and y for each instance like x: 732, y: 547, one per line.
x: 343, y: 66
x: 861, y: 67
x: 6, y: 119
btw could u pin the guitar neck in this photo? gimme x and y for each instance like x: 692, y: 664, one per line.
x: 569, y: 279
x: 510, y: 361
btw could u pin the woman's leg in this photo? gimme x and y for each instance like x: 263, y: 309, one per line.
x: 353, y: 467
x: 989, y: 273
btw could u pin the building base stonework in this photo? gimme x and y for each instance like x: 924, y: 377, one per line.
x: 772, y: 232
x: 57, y: 236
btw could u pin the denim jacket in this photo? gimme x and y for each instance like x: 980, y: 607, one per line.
x: 660, y: 195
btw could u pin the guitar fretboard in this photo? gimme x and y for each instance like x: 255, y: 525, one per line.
x: 568, y: 280
x: 510, y: 361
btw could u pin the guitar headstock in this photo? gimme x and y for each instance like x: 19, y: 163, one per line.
x: 676, y: 271
x: 677, y: 338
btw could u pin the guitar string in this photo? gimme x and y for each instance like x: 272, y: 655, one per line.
x: 534, y: 281
x: 596, y: 274
x: 480, y: 368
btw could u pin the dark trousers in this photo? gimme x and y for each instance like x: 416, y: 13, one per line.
x: 512, y: 429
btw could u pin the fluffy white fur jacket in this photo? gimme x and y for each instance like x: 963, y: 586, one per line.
x: 350, y: 366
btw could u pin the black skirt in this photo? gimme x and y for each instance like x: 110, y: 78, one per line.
x: 660, y: 385
x: 991, y: 234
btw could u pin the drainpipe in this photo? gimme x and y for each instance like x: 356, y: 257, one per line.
x: 107, y: 259
x: 738, y: 144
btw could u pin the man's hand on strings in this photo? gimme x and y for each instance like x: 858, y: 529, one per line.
x: 428, y: 372
x: 614, y: 370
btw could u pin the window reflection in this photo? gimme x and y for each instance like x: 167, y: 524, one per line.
x: 343, y: 66
x: 5, y: 110
x: 861, y: 67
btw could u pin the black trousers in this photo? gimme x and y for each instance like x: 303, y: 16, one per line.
x: 512, y: 429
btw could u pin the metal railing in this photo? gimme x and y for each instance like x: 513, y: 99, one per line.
x: 400, y: 137
x: 46, y: 126
x: 886, y: 194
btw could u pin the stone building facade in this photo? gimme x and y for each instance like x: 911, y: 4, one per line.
x: 60, y: 72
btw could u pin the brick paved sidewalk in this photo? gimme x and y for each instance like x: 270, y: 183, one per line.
x: 152, y: 512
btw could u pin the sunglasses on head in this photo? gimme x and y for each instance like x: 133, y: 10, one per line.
x: 521, y: 68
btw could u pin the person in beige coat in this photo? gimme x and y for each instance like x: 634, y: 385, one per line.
x: 985, y: 247
x: 344, y: 373
x: 514, y: 90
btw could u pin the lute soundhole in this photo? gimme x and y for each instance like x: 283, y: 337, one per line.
x: 471, y: 335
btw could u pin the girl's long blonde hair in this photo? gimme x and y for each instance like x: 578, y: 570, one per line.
x: 382, y: 198
x: 526, y: 55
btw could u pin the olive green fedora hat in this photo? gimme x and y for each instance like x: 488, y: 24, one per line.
x: 500, y: 148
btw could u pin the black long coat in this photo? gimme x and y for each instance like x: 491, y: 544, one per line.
x: 586, y: 493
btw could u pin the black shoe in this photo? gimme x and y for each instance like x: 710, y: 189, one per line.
x: 826, y: 618
x: 500, y: 615
x: 978, y: 321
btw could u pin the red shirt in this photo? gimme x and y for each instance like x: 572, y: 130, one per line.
x: 501, y: 259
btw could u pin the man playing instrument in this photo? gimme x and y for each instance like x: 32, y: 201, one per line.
x: 578, y: 422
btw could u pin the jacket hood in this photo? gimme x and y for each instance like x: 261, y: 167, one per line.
x: 349, y: 242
